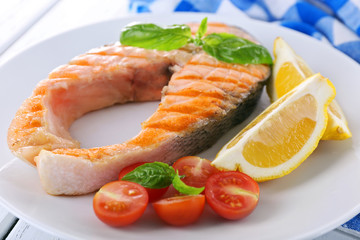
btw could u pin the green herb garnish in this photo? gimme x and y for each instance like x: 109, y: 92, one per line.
x: 152, y: 175
x: 159, y: 175
x: 200, y: 32
x: 232, y: 49
x: 151, y: 36
x: 185, y: 189
x: 223, y: 46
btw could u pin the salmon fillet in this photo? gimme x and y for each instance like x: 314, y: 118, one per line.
x: 203, y: 99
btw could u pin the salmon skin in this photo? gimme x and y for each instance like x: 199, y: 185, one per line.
x: 201, y: 99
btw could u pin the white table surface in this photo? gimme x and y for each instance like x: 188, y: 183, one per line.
x: 23, y: 23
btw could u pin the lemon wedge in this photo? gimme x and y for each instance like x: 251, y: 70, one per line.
x: 283, y: 136
x: 289, y: 70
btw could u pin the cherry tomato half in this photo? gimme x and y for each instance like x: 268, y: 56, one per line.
x: 232, y: 195
x: 196, y: 170
x: 180, y: 210
x: 120, y: 203
x: 154, y: 194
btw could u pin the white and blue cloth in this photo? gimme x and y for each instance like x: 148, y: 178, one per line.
x: 333, y: 21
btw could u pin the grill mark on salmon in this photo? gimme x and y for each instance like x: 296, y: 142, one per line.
x: 202, y: 100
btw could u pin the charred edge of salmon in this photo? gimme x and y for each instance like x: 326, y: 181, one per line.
x: 209, y: 134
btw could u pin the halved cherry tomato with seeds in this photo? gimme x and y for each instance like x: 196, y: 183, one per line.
x: 180, y: 210
x: 120, y: 203
x: 195, y: 169
x: 154, y: 193
x: 232, y: 195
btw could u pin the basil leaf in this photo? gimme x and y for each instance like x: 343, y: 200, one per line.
x: 152, y: 175
x: 200, y: 32
x: 185, y: 189
x: 151, y: 36
x: 232, y: 49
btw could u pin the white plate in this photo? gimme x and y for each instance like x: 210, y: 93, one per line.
x: 317, y: 197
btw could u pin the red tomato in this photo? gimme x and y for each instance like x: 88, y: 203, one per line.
x: 154, y: 194
x: 233, y: 195
x: 180, y: 210
x: 196, y: 170
x: 120, y: 203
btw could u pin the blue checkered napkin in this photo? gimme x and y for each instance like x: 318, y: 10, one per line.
x: 352, y: 226
x: 333, y: 21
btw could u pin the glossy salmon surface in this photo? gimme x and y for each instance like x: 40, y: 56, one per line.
x: 201, y: 99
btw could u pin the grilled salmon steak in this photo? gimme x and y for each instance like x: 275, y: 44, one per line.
x: 201, y: 98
